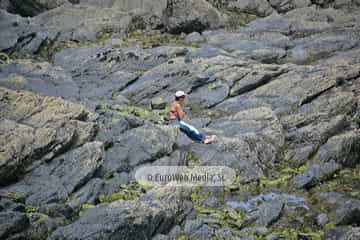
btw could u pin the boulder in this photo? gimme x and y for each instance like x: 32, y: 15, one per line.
x: 282, y: 6
x: 191, y: 15
x: 315, y: 174
x: 54, y: 181
x: 30, y: 8
x: 342, y: 148
x: 36, y: 128
x: 151, y: 214
x: 260, y: 8
x: 138, y: 146
x: 268, y: 213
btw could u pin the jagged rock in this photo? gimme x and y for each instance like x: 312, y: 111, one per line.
x: 56, y: 180
x: 191, y: 15
x: 153, y: 213
x: 45, y: 32
x: 12, y: 223
x: 38, y: 77
x: 195, y: 76
x: 48, y: 127
x: 138, y: 146
x: 343, y: 149
x: 315, y: 174
x: 117, y: 67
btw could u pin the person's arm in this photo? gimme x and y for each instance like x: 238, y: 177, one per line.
x: 180, y: 112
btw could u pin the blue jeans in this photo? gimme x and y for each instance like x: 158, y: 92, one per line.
x: 189, y: 130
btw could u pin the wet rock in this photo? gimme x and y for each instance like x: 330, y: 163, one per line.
x: 55, y: 181
x: 343, y: 149
x: 12, y: 223
x: 315, y: 174
x: 154, y: 214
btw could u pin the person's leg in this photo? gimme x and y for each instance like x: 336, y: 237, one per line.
x: 191, y: 132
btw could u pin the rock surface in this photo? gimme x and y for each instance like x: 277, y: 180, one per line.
x: 85, y: 88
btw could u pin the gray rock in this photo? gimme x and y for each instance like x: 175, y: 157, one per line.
x: 56, y: 180
x: 343, y: 233
x: 48, y: 127
x: 342, y: 149
x: 11, y: 27
x: 87, y: 194
x: 285, y: 6
x: 12, y: 223
x: 194, y: 37
x: 203, y: 233
x: 258, y: 7
x: 138, y: 146
x: 38, y: 77
x: 157, y: 6
x: 347, y: 209
x: 191, y: 226
x: 268, y: 213
x: 33, y: 7
x: 322, y: 219
x: 189, y: 15
x: 154, y: 214
x: 315, y: 174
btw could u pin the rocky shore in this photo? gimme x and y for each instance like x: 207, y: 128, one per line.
x: 84, y: 90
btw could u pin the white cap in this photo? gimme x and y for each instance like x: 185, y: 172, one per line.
x: 180, y: 94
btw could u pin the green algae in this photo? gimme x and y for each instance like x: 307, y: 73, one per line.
x: 4, y: 58
x: 126, y: 192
